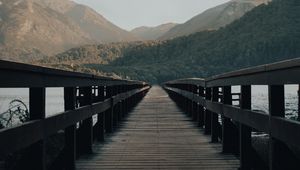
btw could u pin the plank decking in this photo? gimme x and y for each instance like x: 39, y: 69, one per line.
x: 157, y: 135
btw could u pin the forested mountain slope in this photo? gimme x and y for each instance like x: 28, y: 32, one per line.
x: 268, y: 33
x: 152, y: 33
x: 214, y: 18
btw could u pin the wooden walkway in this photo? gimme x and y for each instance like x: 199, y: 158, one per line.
x: 157, y: 135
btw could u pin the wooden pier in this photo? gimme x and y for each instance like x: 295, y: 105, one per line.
x: 157, y: 135
x: 185, y: 124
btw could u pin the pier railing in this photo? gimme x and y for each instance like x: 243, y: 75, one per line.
x: 210, y: 103
x: 85, y: 96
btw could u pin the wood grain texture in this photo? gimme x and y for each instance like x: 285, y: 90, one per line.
x: 157, y: 135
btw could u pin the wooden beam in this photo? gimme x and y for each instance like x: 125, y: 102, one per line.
x: 246, y: 151
x: 85, y: 137
x: 35, y: 155
x: 207, y: 113
x: 214, y: 117
x: 70, y: 132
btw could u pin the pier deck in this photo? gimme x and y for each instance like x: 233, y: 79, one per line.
x: 157, y: 135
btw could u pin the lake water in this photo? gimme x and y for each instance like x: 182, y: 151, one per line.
x: 55, y: 100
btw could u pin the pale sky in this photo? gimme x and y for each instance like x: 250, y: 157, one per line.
x: 129, y: 14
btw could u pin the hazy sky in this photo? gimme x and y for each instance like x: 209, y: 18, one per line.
x: 129, y: 14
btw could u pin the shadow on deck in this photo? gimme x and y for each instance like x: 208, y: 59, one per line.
x: 157, y: 135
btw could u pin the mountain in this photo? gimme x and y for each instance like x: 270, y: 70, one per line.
x: 90, y: 21
x: 152, y: 33
x: 89, y: 54
x: 28, y: 25
x: 214, y: 18
x: 61, y: 6
x: 48, y: 27
x: 268, y: 33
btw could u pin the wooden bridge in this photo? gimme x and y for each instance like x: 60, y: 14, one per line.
x: 185, y: 124
x: 157, y: 135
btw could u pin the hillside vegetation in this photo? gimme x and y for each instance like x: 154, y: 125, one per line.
x: 214, y: 18
x: 267, y: 34
x: 152, y: 33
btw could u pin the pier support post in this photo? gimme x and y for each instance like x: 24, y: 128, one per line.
x: 214, y: 117
x: 246, y: 150
x: 116, y: 108
x: 280, y: 156
x: 109, y: 113
x: 98, y: 131
x: 201, y: 109
x: 86, y: 126
x: 120, y: 104
x: 125, y: 106
x: 229, y: 138
x: 70, y: 132
x: 195, y: 104
x: 35, y: 155
x: 207, y: 115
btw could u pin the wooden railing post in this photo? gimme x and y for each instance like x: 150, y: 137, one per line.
x: 125, y: 103
x: 109, y: 113
x: 35, y: 156
x: 191, y: 105
x: 120, y: 113
x: 280, y: 157
x: 207, y: 114
x: 115, y: 108
x: 228, y: 135
x: 183, y: 101
x: 98, y: 131
x: 86, y: 126
x: 195, y: 104
x: 201, y: 109
x: 70, y: 132
x: 246, y: 151
x: 214, y: 117
x: 187, y: 101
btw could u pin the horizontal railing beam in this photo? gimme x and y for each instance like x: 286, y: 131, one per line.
x: 17, y: 75
x: 280, y: 128
x: 16, y: 138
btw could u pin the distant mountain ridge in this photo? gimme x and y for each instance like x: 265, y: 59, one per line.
x: 90, y: 21
x: 214, y: 18
x: 152, y: 33
x: 26, y: 24
x: 266, y: 34
x: 49, y: 27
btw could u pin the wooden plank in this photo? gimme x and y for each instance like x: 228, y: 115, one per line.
x: 246, y: 150
x: 228, y: 136
x: 283, y: 129
x: 281, y: 156
x: 157, y: 135
x: 35, y: 156
x: 70, y: 131
x: 207, y: 113
x: 214, y: 117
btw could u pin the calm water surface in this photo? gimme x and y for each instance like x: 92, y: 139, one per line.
x: 55, y: 100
